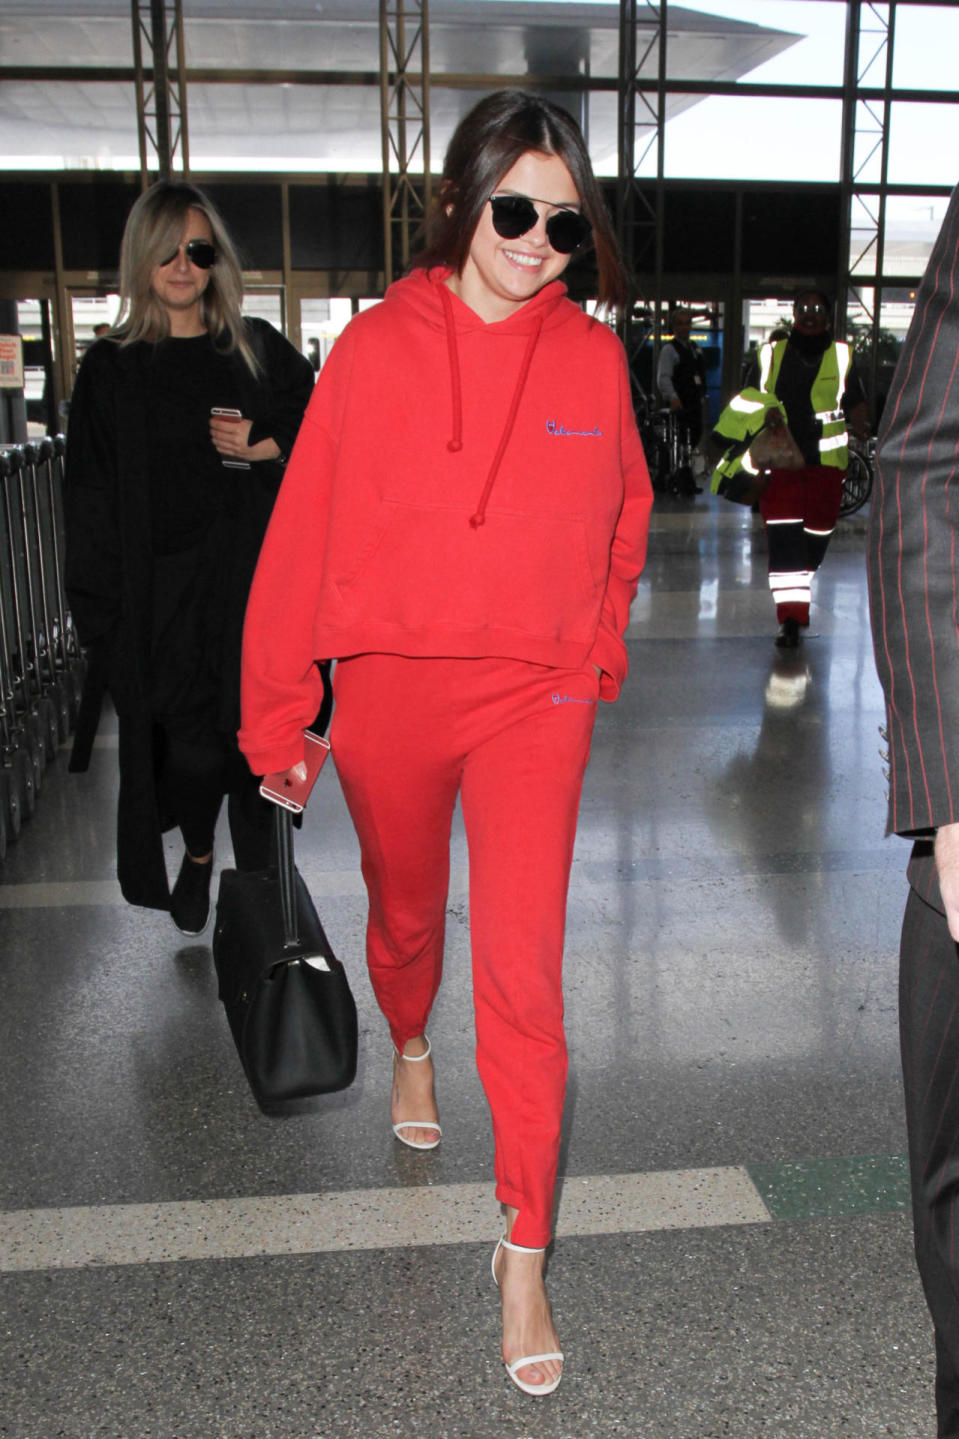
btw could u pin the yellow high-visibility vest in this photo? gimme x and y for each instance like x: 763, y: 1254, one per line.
x: 827, y: 391
x: 740, y: 423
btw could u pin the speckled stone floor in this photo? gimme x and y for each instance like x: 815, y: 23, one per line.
x: 733, y: 1251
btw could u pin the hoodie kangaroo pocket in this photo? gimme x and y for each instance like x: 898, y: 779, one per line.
x: 427, y: 568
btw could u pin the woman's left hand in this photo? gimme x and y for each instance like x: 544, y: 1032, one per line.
x: 230, y: 438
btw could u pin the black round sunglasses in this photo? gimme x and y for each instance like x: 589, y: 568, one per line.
x: 515, y: 215
x: 199, y: 252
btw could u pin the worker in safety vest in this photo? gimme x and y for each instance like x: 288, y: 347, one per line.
x: 814, y: 378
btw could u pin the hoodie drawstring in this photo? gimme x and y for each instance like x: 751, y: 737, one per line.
x: 455, y: 442
x: 479, y: 517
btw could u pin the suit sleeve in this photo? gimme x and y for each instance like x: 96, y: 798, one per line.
x: 281, y: 686
x: 628, y: 551
x: 93, y: 569
x: 912, y: 552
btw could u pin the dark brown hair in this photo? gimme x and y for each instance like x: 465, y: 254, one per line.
x: 485, y: 145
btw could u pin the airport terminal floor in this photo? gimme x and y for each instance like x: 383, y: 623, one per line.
x: 733, y: 1253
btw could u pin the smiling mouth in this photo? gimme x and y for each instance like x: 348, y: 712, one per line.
x: 528, y: 262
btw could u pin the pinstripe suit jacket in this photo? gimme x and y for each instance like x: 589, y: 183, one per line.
x: 913, y: 547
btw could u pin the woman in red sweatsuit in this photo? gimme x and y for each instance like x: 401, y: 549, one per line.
x: 462, y: 525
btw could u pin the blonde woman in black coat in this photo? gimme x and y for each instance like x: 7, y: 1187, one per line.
x: 166, y: 506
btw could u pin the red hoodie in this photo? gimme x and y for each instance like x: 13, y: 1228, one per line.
x: 457, y: 488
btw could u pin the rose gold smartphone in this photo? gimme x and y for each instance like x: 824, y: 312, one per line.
x: 293, y: 794
x: 230, y: 415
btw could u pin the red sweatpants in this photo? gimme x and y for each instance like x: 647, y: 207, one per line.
x: 512, y: 739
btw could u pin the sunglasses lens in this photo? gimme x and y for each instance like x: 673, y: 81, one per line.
x: 200, y: 253
x: 566, y: 231
x: 513, y: 215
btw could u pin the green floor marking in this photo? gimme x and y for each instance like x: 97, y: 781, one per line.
x: 819, y: 1188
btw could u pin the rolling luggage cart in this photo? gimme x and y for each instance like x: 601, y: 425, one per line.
x: 47, y: 610
x: 28, y: 727
x: 69, y: 651
x: 17, y: 751
x: 41, y: 713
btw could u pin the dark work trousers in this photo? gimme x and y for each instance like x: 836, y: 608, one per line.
x: 929, y: 1037
x: 800, y: 509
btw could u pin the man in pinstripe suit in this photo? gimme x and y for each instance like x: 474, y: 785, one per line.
x: 913, y: 551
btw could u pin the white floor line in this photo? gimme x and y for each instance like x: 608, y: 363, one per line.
x: 84, y: 1237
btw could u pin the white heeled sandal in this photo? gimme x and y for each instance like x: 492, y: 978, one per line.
x: 525, y: 1360
x: 416, y: 1123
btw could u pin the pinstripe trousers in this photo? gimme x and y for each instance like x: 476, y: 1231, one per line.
x: 929, y: 1039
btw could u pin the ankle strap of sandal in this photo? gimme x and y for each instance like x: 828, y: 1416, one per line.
x: 415, y: 1058
x: 521, y: 1248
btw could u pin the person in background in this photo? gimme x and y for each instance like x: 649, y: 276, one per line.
x: 913, y: 541
x: 462, y: 526
x: 681, y: 381
x: 822, y: 392
x: 166, y: 505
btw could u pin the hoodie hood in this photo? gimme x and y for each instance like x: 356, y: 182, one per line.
x: 433, y: 300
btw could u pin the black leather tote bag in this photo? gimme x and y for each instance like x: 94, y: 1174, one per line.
x: 286, y: 995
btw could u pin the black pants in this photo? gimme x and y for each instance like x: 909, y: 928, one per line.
x: 195, y: 777
x: 929, y: 1037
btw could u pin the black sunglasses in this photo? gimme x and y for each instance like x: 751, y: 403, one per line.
x: 199, y: 252
x: 515, y: 215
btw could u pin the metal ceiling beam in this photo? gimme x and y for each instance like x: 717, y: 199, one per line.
x: 870, y: 44
x: 160, y: 87
x: 405, y: 126
x: 642, y: 124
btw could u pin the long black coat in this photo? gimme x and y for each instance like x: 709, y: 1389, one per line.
x: 109, y: 554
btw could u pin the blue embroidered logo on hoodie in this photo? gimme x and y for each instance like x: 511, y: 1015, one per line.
x: 562, y: 433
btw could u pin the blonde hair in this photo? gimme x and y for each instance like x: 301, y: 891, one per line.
x: 152, y: 233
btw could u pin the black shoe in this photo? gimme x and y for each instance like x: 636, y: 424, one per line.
x: 788, y: 637
x: 190, y: 900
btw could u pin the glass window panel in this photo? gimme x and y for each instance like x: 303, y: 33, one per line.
x: 923, y: 144
x: 332, y: 41
x: 786, y: 42
x: 926, y: 45
x: 284, y: 127
x: 912, y: 224
x: 750, y: 138
x: 64, y: 40
x: 265, y: 303
x: 602, y: 134
x: 64, y: 126
x: 321, y: 321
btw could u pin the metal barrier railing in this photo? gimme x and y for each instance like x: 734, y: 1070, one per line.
x: 42, y: 666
